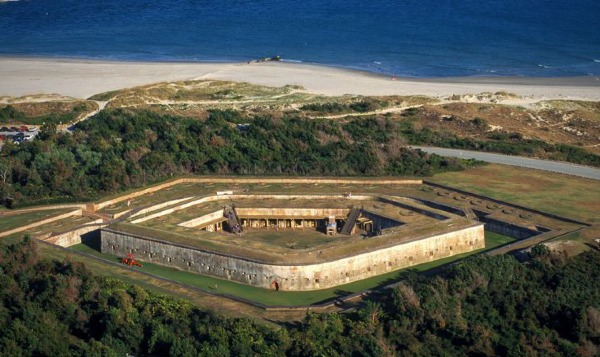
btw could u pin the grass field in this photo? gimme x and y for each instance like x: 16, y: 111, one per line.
x: 568, y: 196
x: 284, y: 298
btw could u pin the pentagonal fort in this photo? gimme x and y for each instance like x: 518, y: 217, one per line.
x: 293, y: 242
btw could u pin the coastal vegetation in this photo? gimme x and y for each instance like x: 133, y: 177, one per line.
x: 362, y: 106
x: 45, y: 112
x: 125, y: 148
x: 510, y: 143
x: 558, y: 130
x: 562, y: 130
x: 485, y: 305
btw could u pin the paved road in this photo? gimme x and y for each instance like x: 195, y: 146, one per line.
x: 554, y: 166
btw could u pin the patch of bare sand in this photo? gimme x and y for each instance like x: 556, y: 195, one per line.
x: 83, y: 78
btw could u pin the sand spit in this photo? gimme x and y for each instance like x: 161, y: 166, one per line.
x: 84, y: 78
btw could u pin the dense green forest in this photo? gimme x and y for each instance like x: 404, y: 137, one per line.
x: 118, y: 149
x: 547, y: 306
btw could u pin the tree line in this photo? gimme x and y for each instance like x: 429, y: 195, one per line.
x: 485, y: 306
x: 124, y: 148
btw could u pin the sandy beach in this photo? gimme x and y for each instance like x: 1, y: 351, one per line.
x: 84, y: 78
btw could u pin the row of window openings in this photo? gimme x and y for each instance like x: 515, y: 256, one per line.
x: 152, y: 255
x: 190, y: 263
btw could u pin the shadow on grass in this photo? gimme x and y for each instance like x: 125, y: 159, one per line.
x: 342, y: 293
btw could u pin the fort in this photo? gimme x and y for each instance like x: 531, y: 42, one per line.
x: 342, y: 238
x: 293, y: 234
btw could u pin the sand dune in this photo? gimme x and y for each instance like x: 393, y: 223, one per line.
x: 83, y: 78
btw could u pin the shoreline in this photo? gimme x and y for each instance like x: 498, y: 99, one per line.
x: 497, y: 79
x: 82, y: 78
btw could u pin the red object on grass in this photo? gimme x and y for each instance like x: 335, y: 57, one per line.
x: 130, y: 261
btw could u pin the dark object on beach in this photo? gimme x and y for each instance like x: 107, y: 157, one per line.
x: 266, y: 59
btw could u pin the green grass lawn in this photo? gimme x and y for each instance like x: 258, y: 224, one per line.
x: 287, y: 298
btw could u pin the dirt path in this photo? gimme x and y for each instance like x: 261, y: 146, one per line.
x: 511, y: 102
x: 64, y: 128
x: 374, y: 112
x: 101, y: 106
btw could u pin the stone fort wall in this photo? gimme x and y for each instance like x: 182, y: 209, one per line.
x: 296, y: 277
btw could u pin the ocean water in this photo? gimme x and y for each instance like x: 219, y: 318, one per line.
x: 421, y: 38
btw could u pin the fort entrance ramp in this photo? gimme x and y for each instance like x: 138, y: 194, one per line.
x: 351, y: 222
x: 235, y: 226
